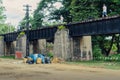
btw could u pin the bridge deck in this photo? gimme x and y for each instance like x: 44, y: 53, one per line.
x: 108, y: 25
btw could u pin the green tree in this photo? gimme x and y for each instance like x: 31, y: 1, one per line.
x: 42, y: 12
x: 2, y: 16
x: 4, y: 27
x: 79, y: 10
x: 63, y: 11
x: 22, y: 23
x: 83, y: 10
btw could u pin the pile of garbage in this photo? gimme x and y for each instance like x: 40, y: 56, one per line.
x: 41, y: 59
x: 36, y: 58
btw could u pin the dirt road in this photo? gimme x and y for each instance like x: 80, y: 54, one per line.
x: 16, y: 70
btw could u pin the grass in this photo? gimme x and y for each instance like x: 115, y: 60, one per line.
x: 8, y: 57
x: 98, y: 64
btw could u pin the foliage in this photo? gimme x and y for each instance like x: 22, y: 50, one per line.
x: 98, y: 64
x: 42, y: 12
x: 64, y: 11
x: 50, y: 55
x: 79, y: 10
x: 4, y: 28
x: 23, y: 22
x: 8, y: 57
x: 83, y: 9
x: 2, y: 16
x: 97, y: 51
x: 110, y: 58
x: 104, y: 44
x: 61, y: 27
x: 114, y: 48
x: 21, y: 34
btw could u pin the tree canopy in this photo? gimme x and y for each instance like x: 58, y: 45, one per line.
x: 4, y: 27
x: 76, y: 11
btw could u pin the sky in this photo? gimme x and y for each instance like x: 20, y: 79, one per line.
x: 14, y: 10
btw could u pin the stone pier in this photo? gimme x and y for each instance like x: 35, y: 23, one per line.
x: 2, y: 43
x: 86, y: 48
x: 21, y: 45
x: 72, y: 48
x: 62, y: 45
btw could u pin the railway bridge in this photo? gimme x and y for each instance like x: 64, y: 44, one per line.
x: 72, y: 43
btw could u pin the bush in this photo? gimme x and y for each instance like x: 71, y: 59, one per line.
x: 50, y: 55
x: 21, y: 34
x: 97, y: 52
x: 61, y: 27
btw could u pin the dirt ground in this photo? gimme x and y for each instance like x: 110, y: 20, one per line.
x: 16, y: 70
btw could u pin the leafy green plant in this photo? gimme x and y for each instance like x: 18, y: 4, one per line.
x: 8, y: 57
x: 50, y: 55
x: 21, y: 34
x: 97, y: 52
x: 61, y: 27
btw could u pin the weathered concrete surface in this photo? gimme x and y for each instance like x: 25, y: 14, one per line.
x: 75, y: 48
x: 21, y: 45
x: 42, y: 45
x: 1, y: 46
x: 62, y: 45
x: 86, y: 48
x: 31, y: 47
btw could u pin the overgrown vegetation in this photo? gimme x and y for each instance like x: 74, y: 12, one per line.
x: 98, y: 64
x: 8, y: 57
x: 21, y: 34
x: 76, y: 11
x: 61, y: 27
x: 4, y: 27
x: 111, y: 58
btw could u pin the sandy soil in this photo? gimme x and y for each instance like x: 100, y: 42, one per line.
x: 16, y: 70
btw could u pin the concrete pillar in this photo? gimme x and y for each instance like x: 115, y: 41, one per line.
x: 1, y: 46
x: 86, y: 48
x: 31, y: 47
x: 42, y: 45
x: 62, y: 44
x: 13, y: 47
x: 9, y: 48
x: 21, y: 45
x: 75, y: 43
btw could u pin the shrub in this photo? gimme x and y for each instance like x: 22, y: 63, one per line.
x: 50, y: 55
x: 21, y: 34
x: 61, y: 27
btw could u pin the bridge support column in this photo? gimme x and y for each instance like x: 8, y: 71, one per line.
x: 86, y: 48
x: 36, y: 48
x: 42, y: 45
x: 62, y: 44
x: 81, y: 48
x: 2, y: 46
x: 75, y: 48
x: 21, y: 46
x: 31, y: 47
x: 9, y: 48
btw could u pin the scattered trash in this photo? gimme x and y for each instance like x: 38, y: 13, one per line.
x: 41, y: 59
x: 57, y: 60
x: 24, y: 60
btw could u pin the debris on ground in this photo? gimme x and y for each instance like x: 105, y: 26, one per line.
x: 41, y: 59
x: 57, y: 60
